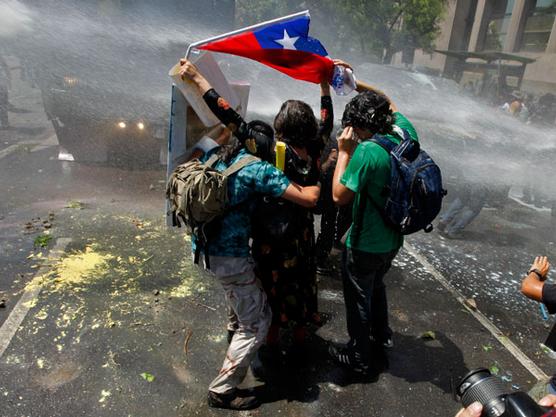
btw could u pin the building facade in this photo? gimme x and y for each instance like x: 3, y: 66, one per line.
x: 522, y: 27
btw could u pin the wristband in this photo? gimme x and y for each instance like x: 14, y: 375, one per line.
x: 537, y: 273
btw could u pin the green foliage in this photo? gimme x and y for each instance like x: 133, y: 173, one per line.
x: 147, y: 377
x: 375, y: 29
x: 41, y: 241
x: 494, y: 368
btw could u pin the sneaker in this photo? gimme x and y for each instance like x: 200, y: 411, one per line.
x: 232, y: 401
x: 348, y: 359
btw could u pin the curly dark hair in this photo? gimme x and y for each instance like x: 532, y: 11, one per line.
x: 369, y: 110
x: 296, y: 124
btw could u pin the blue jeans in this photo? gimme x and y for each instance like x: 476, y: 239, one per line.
x: 459, y: 215
x: 365, y: 297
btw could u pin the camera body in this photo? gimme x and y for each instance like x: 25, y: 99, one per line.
x: 480, y: 385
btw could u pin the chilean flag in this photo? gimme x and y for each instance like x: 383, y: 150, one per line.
x: 283, y: 44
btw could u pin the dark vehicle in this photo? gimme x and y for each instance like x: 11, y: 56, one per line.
x: 102, y: 67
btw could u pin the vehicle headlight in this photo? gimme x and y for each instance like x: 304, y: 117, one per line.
x: 122, y: 125
x: 70, y: 82
x: 140, y: 125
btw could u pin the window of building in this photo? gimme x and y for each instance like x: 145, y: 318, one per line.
x: 500, y: 16
x: 538, y: 25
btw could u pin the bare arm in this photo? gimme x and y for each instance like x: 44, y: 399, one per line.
x: 304, y: 196
x: 190, y: 71
x: 361, y: 86
x: 340, y: 193
x: 217, y: 104
x: 532, y: 285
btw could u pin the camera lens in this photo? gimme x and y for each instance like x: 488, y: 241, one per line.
x: 479, y: 385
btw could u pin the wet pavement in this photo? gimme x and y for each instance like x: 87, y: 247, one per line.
x: 123, y: 325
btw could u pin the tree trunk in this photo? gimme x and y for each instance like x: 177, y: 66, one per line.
x: 388, y: 55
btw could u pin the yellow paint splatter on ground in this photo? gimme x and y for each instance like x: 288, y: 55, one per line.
x: 192, y: 281
x: 42, y: 314
x: 216, y: 338
x: 12, y: 360
x: 187, y: 288
x: 31, y: 303
x: 104, y: 395
x: 81, y: 267
x: 75, y: 270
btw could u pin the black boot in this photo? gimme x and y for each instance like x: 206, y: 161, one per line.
x: 232, y: 401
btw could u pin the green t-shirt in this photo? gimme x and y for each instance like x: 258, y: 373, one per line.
x: 369, y: 170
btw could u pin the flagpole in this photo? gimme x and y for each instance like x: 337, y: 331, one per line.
x: 245, y: 29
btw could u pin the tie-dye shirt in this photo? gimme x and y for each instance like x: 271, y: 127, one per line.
x: 254, y: 180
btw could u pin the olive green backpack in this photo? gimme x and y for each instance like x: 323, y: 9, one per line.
x: 198, y: 194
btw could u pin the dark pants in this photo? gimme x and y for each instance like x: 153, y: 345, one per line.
x: 365, y: 298
x: 334, y: 223
x: 325, y: 239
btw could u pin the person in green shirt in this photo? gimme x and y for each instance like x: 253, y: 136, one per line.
x: 361, y: 176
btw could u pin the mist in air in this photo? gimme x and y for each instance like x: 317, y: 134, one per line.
x: 121, y: 52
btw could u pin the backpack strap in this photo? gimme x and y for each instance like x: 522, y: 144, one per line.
x: 242, y: 163
x: 212, y: 160
x: 384, y: 143
x: 402, y: 133
x: 388, y: 146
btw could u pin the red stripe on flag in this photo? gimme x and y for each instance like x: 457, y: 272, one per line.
x: 300, y: 65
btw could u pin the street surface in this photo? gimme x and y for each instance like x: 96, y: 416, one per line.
x: 116, y: 321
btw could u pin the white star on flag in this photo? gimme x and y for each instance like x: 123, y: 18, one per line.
x: 287, y: 42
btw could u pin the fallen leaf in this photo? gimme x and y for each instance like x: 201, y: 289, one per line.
x: 487, y: 348
x: 494, y: 369
x: 147, y: 377
x: 429, y: 335
x: 42, y: 240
